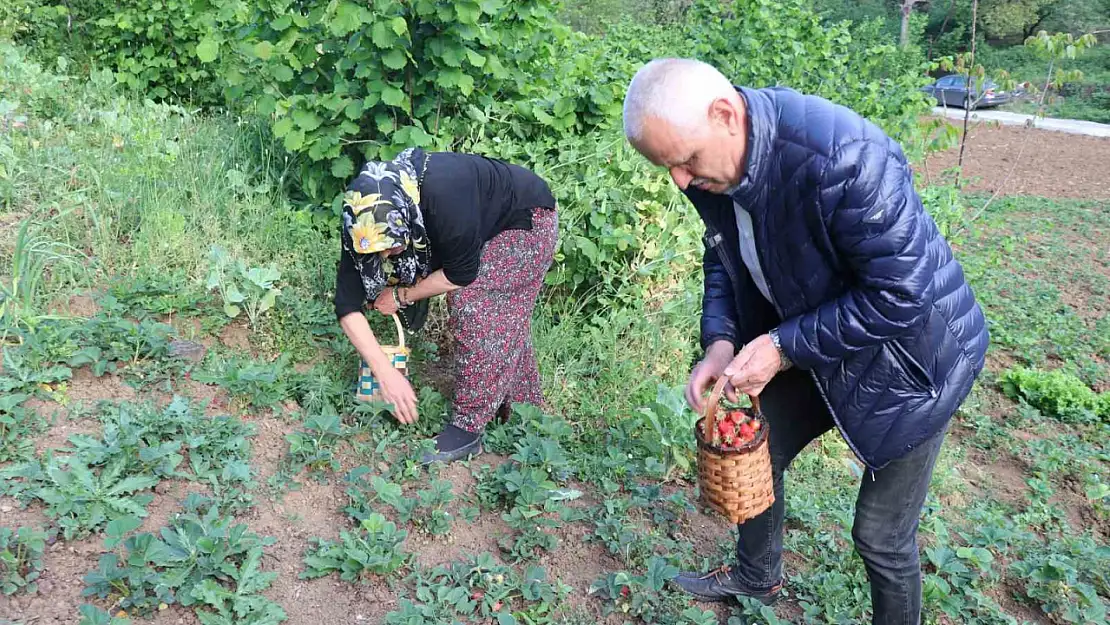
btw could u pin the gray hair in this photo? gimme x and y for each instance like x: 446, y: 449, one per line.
x: 678, y: 91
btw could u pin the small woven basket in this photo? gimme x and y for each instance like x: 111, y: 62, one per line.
x: 736, y: 483
x: 369, y: 389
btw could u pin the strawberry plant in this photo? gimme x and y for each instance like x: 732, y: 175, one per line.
x: 20, y: 559
x: 261, y: 384
x: 79, y: 498
x: 375, y: 548
x: 27, y: 369
x: 110, y: 342
x: 200, y: 560
x: 92, y: 615
x: 433, y: 502
x: 531, y: 538
x: 243, y: 604
x: 314, y: 445
x: 636, y: 595
x: 17, y: 425
x: 619, y: 534
x: 479, y: 589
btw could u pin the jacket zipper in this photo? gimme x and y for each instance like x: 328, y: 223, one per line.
x: 913, y: 368
x: 813, y: 374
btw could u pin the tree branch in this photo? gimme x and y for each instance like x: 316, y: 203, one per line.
x: 967, y: 102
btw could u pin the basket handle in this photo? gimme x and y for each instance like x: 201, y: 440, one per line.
x: 712, y: 404
x: 400, y: 330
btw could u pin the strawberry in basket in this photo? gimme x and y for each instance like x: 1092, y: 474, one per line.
x: 737, y: 429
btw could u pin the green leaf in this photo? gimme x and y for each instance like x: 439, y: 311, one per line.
x: 268, y: 300
x: 400, y: 26
x: 234, y: 295
x: 231, y: 310
x: 467, y: 12
x: 658, y: 573
x: 251, y: 578
x: 348, y: 18
x: 118, y: 528
x: 281, y: 128
x: 354, y: 109
x: 307, y: 120
x: 132, y: 484
x: 506, y: 618
x: 588, y: 247
x: 395, y: 59
x: 264, y: 50
x: 294, y: 140
x: 477, y: 60
x: 281, y: 23
x: 393, y: 96
x: 208, y: 49
x: 342, y: 167
x: 380, y: 35
x: 283, y: 73
x: 211, y: 593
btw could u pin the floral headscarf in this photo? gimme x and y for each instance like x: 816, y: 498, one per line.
x: 381, y: 210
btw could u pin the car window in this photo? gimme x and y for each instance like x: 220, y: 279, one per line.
x: 952, y: 81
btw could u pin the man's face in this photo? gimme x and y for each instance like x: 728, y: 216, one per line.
x: 708, y: 158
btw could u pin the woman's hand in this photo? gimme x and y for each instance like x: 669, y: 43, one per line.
x: 385, y: 304
x: 396, y: 390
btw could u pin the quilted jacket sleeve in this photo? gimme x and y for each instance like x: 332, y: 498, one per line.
x: 718, y: 316
x: 875, y: 227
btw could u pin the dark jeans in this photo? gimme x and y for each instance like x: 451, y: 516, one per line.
x: 888, y: 506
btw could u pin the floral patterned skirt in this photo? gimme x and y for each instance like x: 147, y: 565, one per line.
x: 491, y: 321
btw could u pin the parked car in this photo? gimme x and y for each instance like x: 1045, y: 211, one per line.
x: 952, y: 90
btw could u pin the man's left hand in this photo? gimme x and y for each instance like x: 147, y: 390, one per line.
x: 751, y: 369
x: 385, y: 304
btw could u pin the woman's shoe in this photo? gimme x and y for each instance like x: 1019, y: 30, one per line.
x: 453, y: 444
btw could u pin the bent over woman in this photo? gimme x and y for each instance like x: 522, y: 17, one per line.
x: 478, y: 229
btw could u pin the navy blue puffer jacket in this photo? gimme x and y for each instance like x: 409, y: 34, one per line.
x: 867, y: 294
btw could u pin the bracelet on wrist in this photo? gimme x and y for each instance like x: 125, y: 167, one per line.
x: 785, y: 361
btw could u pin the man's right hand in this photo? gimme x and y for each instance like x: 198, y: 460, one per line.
x: 705, y: 374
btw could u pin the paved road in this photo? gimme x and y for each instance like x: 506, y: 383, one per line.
x: 1073, y: 126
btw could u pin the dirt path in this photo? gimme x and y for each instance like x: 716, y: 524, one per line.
x: 1009, y: 118
x: 1052, y: 164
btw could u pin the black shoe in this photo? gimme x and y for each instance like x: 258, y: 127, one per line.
x: 722, y: 585
x: 453, y: 444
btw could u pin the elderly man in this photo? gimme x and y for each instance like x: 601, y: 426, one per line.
x: 829, y: 292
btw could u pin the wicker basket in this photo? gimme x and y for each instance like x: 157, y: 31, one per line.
x: 736, y: 483
x: 369, y: 389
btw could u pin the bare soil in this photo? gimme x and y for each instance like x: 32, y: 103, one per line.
x: 89, y: 390
x: 1051, y: 164
x: 236, y: 336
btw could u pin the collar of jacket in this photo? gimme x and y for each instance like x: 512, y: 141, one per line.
x: 762, y: 132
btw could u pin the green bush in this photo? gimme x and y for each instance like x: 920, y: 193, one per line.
x: 347, y: 81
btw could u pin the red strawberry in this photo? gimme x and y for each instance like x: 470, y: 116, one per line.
x: 726, y: 428
x: 756, y: 425
x: 746, y: 431
x: 736, y: 417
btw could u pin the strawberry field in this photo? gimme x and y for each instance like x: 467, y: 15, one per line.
x: 179, y: 437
